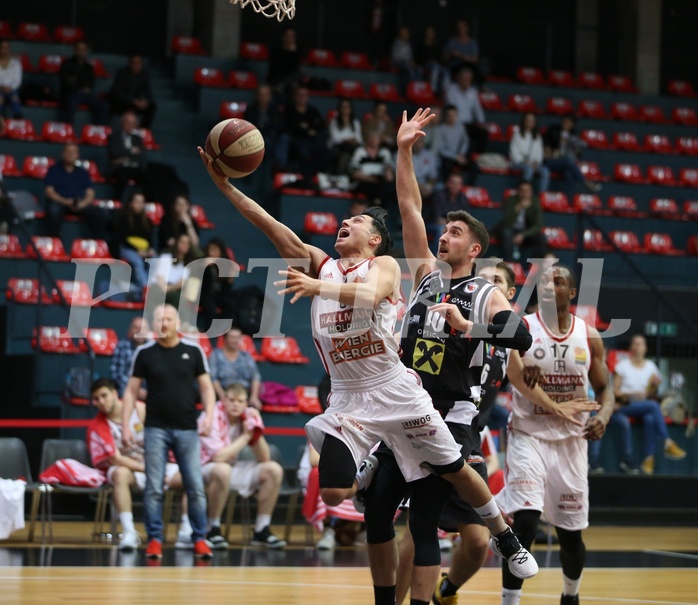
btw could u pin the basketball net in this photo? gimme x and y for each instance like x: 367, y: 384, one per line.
x: 271, y: 8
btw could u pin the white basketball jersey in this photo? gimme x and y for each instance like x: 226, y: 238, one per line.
x: 353, y: 343
x: 565, y: 361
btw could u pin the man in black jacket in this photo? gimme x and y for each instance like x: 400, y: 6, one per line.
x: 77, y: 81
x: 131, y: 91
x: 126, y: 154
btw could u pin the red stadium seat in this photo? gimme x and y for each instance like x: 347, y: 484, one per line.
x: 590, y: 315
x: 559, y: 106
x: 652, y: 113
x: 384, y: 91
x: 591, y: 109
x: 49, y: 248
x: 232, y: 109
x: 589, y: 203
x: 530, y: 75
x: 626, y: 141
x: 562, y: 78
x: 522, y: 103
x: 90, y: 249
x: 210, y: 77
x: 687, y: 145
x: 594, y: 241
x: 658, y: 143
x: 93, y: 134
x: 685, y: 115
x: 33, y: 32
x: 661, y: 175
x: 65, y: 34
x: 198, y: 215
x: 27, y: 66
x: 621, y: 84
x: 57, y: 132
x: 555, y: 201
x: 321, y: 57
x: 92, y: 170
x: 254, y: 51
x: 595, y: 139
x: 244, y: 80
x: 186, y: 45
x: 350, y: 89
x: 623, y: 205
x: 689, y: 177
x: 321, y: 223
x: 690, y: 209
x: 692, y: 245
x: 420, y: 93
x: 624, y: 111
x: 283, y: 180
x: 308, y: 401
x: 479, y: 197
x: 665, y: 207
x: 628, y: 173
x: 100, y: 69
x: 148, y: 140
x: 681, y: 88
x: 352, y: 60
x: 494, y: 132
x: 36, y: 167
x: 55, y: 339
x: 490, y: 101
x: 661, y: 243
x: 519, y: 273
x: 247, y: 345
x: 20, y: 130
x: 591, y: 171
x: 8, y: 166
x: 283, y: 349
x: 557, y: 238
x: 627, y: 241
x: 10, y: 246
x: 591, y: 80
x: 154, y: 211
x: 6, y: 30
x: 25, y: 291
x: 73, y: 292
x: 49, y: 64
x: 102, y: 341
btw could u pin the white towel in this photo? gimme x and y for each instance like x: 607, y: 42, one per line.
x: 11, y: 506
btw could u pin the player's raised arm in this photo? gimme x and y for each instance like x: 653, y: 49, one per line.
x: 414, y: 230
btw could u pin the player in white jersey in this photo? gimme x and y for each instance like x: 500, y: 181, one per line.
x: 373, y: 395
x: 546, y: 459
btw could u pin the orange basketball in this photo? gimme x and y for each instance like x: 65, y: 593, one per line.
x: 236, y: 147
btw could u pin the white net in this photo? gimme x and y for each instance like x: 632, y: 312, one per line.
x: 271, y: 8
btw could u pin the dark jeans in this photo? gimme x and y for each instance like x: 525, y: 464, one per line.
x: 535, y: 245
x: 626, y: 438
x: 653, y: 424
x: 97, y: 219
x: 98, y: 108
x: 567, y: 169
x: 11, y: 100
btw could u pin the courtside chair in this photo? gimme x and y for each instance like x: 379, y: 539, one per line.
x: 14, y: 464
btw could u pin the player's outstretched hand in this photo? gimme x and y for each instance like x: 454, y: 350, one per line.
x: 451, y: 313
x: 298, y: 283
x: 569, y: 409
x: 217, y: 177
x: 595, y: 428
x: 411, y: 130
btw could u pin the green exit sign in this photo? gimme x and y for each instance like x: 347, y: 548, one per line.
x: 662, y: 328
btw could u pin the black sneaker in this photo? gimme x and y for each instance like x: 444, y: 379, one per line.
x: 566, y: 599
x: 215, y: 539
x: 521, y: 562
x: 267, y: 539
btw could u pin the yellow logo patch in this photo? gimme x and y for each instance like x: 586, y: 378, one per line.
x: 428, y: 356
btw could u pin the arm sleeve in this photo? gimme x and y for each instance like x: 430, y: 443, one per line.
x: 201, y: 362
x: 507, y: 330
x: 515, y: 152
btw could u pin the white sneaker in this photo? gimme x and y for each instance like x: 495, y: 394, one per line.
x: 129, y: 541
x: 184, y: 539
x: 327, y: 542
x: 521, y: 563
x: 364, y: 476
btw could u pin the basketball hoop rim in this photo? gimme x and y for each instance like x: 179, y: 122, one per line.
x: 270, y: 8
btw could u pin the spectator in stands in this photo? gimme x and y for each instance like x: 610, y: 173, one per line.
x: 426, y: 169
x: 345, y: 136
x: 176, y: 221
x: 624, y: 429
x: 451, y: 144
x: 636, y: 381
x: 236, y: 426
x: 402, y: 58
x: 379, y: 121
x: 562, y: 148
x: 285, y: 63
x: 217, y: 296
x: 68, y: 189
x: 230, y: 364
x: 463, y: 51
x: 120, y: 369
x: 77, y: 83
x: 307, y: 136
x: 448, y: 198
x: 134, y: 239
x: 430, y: 130
x: 464, y: 97
x: 131, y: 91
x: 526, y: 152
x: 126, y: 154
x: 267, y: 115
x: 429, y: 56
x: 522, y: 222
x: 371, y: 168
x: 10, y: 81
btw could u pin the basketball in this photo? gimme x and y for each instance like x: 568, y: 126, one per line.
x: 236, y: 147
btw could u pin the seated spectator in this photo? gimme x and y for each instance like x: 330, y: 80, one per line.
x: 133, y: 239
x: 124, y: 466
x: 379, y: 121
x: 624, y: 429
x: 522, y: 222
x: 562, y: 148
x: 464, y: 97
x: 77, y: 83
x: 177, y: 221
x: 285, y: 63
x: 402, y: 58
x: 451, y: 144
x: 426, y: 168
x: 236, y: 426
x: 217, y: 296
x: 307, y: 137
x: 10, y: 81
x: 345, y: 136
x: 463, y: 51
x: 126, y: 154
x: 526, y: 152
x: 446, y: 199
x: 230, y: 364
x: 429, y: 56
x: 371, y: 169
x: 120, y: 368
x: 68, y: 189
x: 131, y: 91
x: 430, y: 130
x: 267, y: 115
x: 635, y: 383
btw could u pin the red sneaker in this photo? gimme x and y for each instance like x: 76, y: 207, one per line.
x: 202, y: 550
x: 154, y: 550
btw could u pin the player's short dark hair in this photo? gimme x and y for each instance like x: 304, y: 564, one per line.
x: 103, y: 383
x: 378, y: 216
x: 476, y: 227
x: 571, y: 275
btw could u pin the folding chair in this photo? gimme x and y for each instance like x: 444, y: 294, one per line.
x: 14, y: 464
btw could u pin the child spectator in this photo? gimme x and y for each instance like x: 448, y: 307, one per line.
x: 10, y: 81
x: 345, y: 136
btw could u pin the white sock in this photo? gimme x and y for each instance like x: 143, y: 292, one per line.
x: 488, y: 511
x: 510, y: 596
x: 570, y: 587
x: 213, y: 522
x: 262, y: 522
x: 126, y: 520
